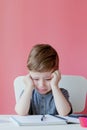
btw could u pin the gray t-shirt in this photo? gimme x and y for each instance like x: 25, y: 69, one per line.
x: 44, y: 104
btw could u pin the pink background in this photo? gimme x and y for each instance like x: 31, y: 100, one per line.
x: 23, y: 23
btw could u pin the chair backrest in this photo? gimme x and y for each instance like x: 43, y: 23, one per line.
x: 76, y: 86
x: 18, y: 86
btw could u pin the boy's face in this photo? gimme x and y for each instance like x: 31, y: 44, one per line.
x: 41, y: 81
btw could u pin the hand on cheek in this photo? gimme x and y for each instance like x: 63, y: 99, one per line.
x: 56, y: 76
x: 28, y: 81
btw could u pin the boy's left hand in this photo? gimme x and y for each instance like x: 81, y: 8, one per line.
x: 56, y: 76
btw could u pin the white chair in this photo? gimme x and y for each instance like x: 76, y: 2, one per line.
x: 76, y: 86
x: 18, y: 86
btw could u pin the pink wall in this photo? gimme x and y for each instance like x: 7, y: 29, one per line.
x: 23, y: 23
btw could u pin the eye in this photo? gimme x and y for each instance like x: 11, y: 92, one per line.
x: 36, y: 79
x: 48, y: 79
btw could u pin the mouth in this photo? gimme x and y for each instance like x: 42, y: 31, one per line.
x: 42, y: 90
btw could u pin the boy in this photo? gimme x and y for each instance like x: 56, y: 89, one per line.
x: 42, y: 94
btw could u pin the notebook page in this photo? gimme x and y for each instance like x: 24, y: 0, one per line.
x: 36, y: 120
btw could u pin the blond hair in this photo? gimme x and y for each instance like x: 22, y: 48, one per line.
x: 43, y: 58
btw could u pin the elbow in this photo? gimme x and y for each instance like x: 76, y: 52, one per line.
x: 66, y: 112
x: 20, y: 112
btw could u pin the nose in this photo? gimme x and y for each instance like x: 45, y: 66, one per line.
x: 41, y: 83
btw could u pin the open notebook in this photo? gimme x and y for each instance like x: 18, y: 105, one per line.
x: 37, y: 120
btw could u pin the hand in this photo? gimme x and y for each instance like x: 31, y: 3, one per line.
x: 28, y: 81
x: 56, y: 76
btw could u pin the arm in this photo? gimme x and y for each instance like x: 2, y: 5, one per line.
x: 23, y: 104
x: 62, y: 105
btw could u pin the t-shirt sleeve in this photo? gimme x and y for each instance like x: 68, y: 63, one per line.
x: 65, y: 93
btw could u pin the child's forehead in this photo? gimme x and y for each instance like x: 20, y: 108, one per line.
x: 40, y: 73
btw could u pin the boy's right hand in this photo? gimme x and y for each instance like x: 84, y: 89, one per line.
x: 28, y: 81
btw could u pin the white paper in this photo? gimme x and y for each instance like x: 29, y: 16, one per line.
x: 70, y: 119
x: 36, y: 120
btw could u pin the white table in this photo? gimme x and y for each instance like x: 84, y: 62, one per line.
x: 6, y: 124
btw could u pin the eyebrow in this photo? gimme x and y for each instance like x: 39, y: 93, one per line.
x: 48, y: 77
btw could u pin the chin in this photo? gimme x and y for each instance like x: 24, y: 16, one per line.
x: 44, y: 92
